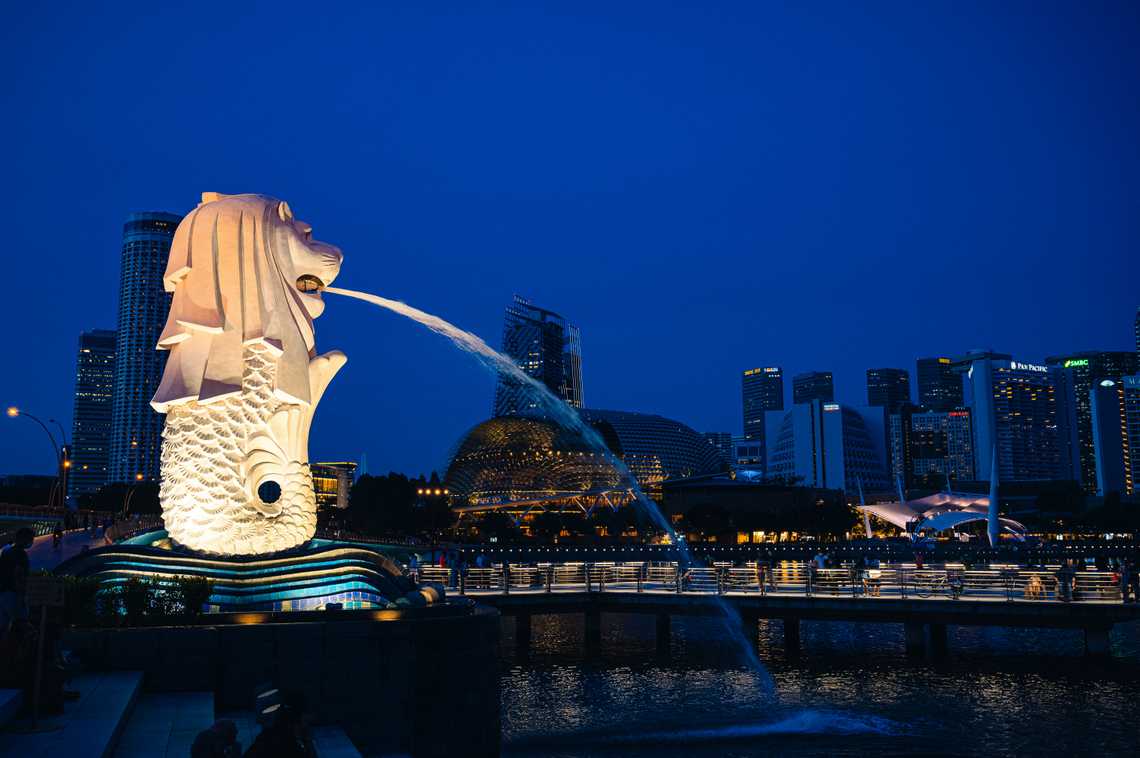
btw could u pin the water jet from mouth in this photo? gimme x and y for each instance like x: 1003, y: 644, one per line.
x: 557, y: 410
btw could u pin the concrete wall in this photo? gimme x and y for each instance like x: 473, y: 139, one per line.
x: 424, y: 686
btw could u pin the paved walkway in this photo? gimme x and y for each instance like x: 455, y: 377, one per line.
x: 44, y: 557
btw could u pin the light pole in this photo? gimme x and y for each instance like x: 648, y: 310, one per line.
x: 61, y: 463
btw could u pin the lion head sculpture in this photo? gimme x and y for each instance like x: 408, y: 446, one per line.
x: 243, y: 377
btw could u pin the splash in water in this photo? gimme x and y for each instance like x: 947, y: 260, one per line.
x: 557, y: 410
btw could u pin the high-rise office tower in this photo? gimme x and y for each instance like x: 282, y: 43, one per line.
x: 888, y: 388
x: 1013, y: 408
x: 91, y: 420
x: 542, y: 344
x: 572, y: 390
x: 829, y: 445
x: 762, y: 390
x: 924, y: 442
x: 939, y: 386
x: 1074, y: 377
x: 1136, y: 329
x: 814, y: 385
x: 136, y: 429
x: 1114, y: 409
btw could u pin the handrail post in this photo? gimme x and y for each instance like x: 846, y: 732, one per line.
x: 602, y: 579
x: 462, y: 583
x: 549, y: 576
x: 677, y: 576
x: 640, y: 568
x: 506, y: 578
x: 589, y: 586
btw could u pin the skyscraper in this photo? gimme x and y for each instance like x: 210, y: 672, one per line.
x: 572, y: 390
x: 136, y: 429
x: 1013, y: 408
x: 544, y: 347
x: 939, y: 386
x: 1074, y: 377
x: 888, y: 388
x: 762, y: 390
x: 814, y: 385
x: 924, y: 442
x: 91, y: 420
x: 1115, y: 412
x: 829, y: 445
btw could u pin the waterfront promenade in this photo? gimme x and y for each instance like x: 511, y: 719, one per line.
x: 925, y: 600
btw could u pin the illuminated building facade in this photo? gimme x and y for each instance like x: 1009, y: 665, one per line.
x: 545, y: 347
x: 762, y: 390
x: 924, y: 442
x: 831, y: 446
x: 1115, y: 416
x: 332, y: 483
x: 136, y: 429
x: 91, y: 420
x: 1013, y: 408
x: 888, y: 388
x: 512, y: 461
x: 939, y: 385
x: 1074, y: 377
x: 814, y: 385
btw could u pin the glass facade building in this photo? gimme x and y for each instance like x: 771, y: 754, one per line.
x: 831, y: 446
x: 1074, y: 377
x: 136, y: 429
x: 762, y: 390
x: 939, y: 385
x: 332, y: 483
x: 814, y: 385
x: 924, y: 442
x: 1115, y: 413
x: 888, y: 388
x: 1013, y: 408
x: 91, y: 417
x: 723, y: 444
x: 546, y: 348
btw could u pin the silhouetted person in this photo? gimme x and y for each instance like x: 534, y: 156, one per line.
x: 219, y: 741
x: 14, y: 581
x: 286, y: 736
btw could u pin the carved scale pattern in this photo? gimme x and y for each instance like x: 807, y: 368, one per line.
x: 209, y: 487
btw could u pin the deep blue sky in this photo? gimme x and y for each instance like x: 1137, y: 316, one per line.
x: 702, y: 189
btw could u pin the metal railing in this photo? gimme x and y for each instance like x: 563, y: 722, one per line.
x: 788, y: 578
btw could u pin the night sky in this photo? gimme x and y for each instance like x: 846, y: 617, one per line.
x: 702, y: 190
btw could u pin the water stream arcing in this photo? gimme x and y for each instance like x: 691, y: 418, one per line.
x: 557, y: 410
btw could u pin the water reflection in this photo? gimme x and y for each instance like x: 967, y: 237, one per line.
x: 852, y: 691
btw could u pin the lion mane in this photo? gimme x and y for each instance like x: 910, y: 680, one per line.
x: 233, y: 269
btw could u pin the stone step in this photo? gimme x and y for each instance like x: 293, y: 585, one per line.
x: 165, y: 724
x: 88, y: 728
x: 332, y: 742
x: 10, y: 702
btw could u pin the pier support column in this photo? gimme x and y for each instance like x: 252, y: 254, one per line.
x: 791, y: 636
x: 915, y: 638
x: 593, y: 629
x: 936, y: 641
x: 664, y: 633
x: 1096, y: 640
x: 522, y: 631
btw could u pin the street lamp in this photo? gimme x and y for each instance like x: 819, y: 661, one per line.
x: 61, y: 462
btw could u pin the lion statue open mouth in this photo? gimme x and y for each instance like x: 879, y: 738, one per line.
x: 243, y: 378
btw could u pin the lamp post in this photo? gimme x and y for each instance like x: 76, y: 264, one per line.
x: 61, y: 461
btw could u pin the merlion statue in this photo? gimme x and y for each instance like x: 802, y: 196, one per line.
x: 243, y: 377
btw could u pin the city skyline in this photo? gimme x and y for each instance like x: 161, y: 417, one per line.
x: 796, y: 229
